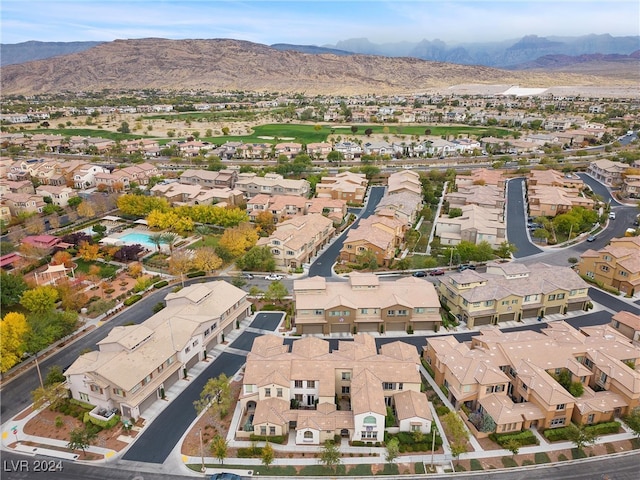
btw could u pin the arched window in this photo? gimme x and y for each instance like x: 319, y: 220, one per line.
x: 308, y: 435
x: 369, y: 420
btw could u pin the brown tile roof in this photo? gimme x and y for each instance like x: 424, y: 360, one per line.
x: 410, y: 403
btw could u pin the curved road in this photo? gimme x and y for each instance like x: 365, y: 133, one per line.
x: 322, y: 265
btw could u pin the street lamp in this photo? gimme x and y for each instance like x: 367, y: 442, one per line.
x: 202, y: 469
x: 433, y: 444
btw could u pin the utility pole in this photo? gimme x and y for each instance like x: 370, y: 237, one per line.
x: 39, y: 373
x: 202, y: 469
x: 433, y: 446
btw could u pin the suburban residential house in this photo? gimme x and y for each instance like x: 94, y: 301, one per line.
x: 322, y: 393
x: 404, y: 181
x: 23, y: 203
x: 250, y: 184
x: 482, y: 176
x: 297, y: 240
x: 475, y: 225
x: 347, y: 186
x: 283, y: 207
x: 23, y: 186
x: 608, y: 172
x: 135, y: 365
x: 378, y: 148
x: 365, y: 304
x: 59, y: 195
x: 404, y: 206
x: 549, y: 201
x: 334, y: 209
x: 319, y: 150
x: 350, y: 150
x: 483, y: 195
x: 630, y: 187
x: 208, y: 179
x: 508, y: 292
x: 628, y: 324
x: 378, y: 234
x: 185, y: 194
x: 553, y: 178
x: 617, y: 265
x: 85, y: 176
x: 288, y: 149
x: 513, y: 376
x: 5, y: 213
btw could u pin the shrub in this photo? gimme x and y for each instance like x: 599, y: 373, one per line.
x: 508, y: 462
x: 577, y: 453
x: 557, y: 434
x: 476, y: 465
x: 542, y: 457
x: 103, y: 424
x: 158, y: 306
x: 131, y: 300
x: 59, y: 422
x: 563, y: 458
x: 109, y: 290
x: 419, y: 468
x: 604, y: 428
x: 249, y: 452
x: 280, y: 439
x: 161, y: 284
x: 525, y: 437
x: 442, y: 410
x: 527, y: 462
x: 195, y: 274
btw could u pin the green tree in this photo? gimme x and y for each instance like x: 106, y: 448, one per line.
x: 40, y: 300
x: 393, y: 450
x: 330, y: 455
x: 580, y: 436
x: 456, y: 432
x: 513, y: 446
x: 124, y: 128
x: 257, y: 259
x: 455, y: 212
x: 267, y: 455
x: 11, y: 288
x: 369, y: 171
x: 52, y: 395
x: 74, y: 202
x: 368, y: 260
x: 219, y: 448
x: 81, y: 438
x: 276, y: 292
x: 335, y: 156
x: 505, y: 249
x: 633, y: 421
x: 54, y: 375
x: 215, y: 397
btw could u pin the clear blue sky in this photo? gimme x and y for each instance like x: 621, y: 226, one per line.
x: 313, y: 21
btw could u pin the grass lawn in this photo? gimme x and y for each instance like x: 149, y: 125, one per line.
x: 361, y: 470
x: 205, y: 116
x: 207, y: 241
x: 321, y: 471
x: 476, y: 465
x: 542, y: 457
x: 508, y: 462
x: 90, y: 132
x: 390, y: 469
x: 106, y: 270
x: 272, y: 470
x: 577, y: 453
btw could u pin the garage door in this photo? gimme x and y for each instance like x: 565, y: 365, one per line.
x: 368, y: 327
x: 340, y: 328
x: 507, y: 317
x: 486, y: 320
x: 192, y: 362
x: 228, y: 328
x: 572, y: 307
x: 310, y: 329
x: 396, y: 327
x: 556, y: 309
x: 531, y: 313
x: 147, y: 402
x: 423, y: 326
x: 170, y: 380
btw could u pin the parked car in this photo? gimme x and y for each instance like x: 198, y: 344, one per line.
x: 273, y: 276
x: 419, y: 274
x: 247, y: 276
x: 436, y: 272
x: 591, y: 238
x: 225, y: 476
x: 466, y: 266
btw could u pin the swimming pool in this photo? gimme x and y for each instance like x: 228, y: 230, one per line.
x: 139, y: 238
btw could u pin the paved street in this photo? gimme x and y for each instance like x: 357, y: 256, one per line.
x: 322, y: 265
x: 517, y: 220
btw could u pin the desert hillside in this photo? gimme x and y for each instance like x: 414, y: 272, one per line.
x: 237, y: 65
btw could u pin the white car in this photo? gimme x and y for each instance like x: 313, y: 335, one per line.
x: 273, y: 276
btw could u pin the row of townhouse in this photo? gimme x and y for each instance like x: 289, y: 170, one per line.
x: 365, y: 304
x: 283, y: 207
x: 297, y: 240
x: 348, y: 186
x: 135, y: 365
x: 488, y: 196
x: 251, y: 184
x: 122, y: 178
x: 508, y: 292
x: 628, y: 324
x: 608, y: 172
x: 319, y: 393
x: 551, y: 193
x: 226, y: 178
x: 476, y: 224
x: 380, y: 235
x: 512, y: 376
x: 183, y: 194
x: 616, y: 265
x: 482, y: 176
x: 403, y: 197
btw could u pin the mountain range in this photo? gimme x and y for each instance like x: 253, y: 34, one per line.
x: 214, y: 65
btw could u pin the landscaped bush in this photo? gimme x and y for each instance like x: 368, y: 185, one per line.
x: 161, y: 284
x: 105, y: 424
x: 577, y: 453
x: 523, y: 438
x: 508, y: 462
x: 557, y: 434
x: 563, y: 458
x: 476, y: 465
x: 280, y: 439
x: 604, y: 428
x: 419, y: 467
x: 442, y: 410
x: 527, y: 462
x: 250, y: 452
x: 195, y: 274
x: 131, y: 300
x: 542, y: 457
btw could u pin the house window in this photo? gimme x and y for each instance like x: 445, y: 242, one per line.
x: 290, y: 253
x: 391, y: 313
x: 415, y: 428
x: 505, y: 302
x: 560, y: 406
x: 369, y: 420
x: 476, y: 304
x: 272, y: 430
x: 207, y: 332
x: 560, y: 296
x: 319, y: 312
x: 604, y: 268
x: 346, y: 390
x: 308, y: 436
x: 297, y: 383
x: 524, y: 387
x: 160, y: 368
x: 488, y: 303
x: 95, y: 389
x: 623, y: 273
x: 267, y: 392
x: 513, y: 302
x: 387, y: 386
x: 311, y: 384
x: 275, y: 251
x: 603, y: 378
x: 119, y: 392
x: 346, y: 375
x: 368, y: 434
x: 276, y: 242
x: 590, y: 418
x: 298, y: 397
x: 419, y: 310
x: 84, y: 397
x: 552, y: 297
x: 557, y: 422
x: 263, y: 430
x: 588, y: 363
x: 279, y: 392
x: 187, y: 350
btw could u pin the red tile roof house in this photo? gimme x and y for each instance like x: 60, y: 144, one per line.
x: 41, y: 241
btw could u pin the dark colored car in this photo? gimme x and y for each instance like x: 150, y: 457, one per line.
x: 419, y: 274
x: 225, y: 476
x: 463, y: 267
x: 436, y: 272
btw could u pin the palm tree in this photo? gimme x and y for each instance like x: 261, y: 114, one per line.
x: 157, y: 239
x: 170, y: 239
